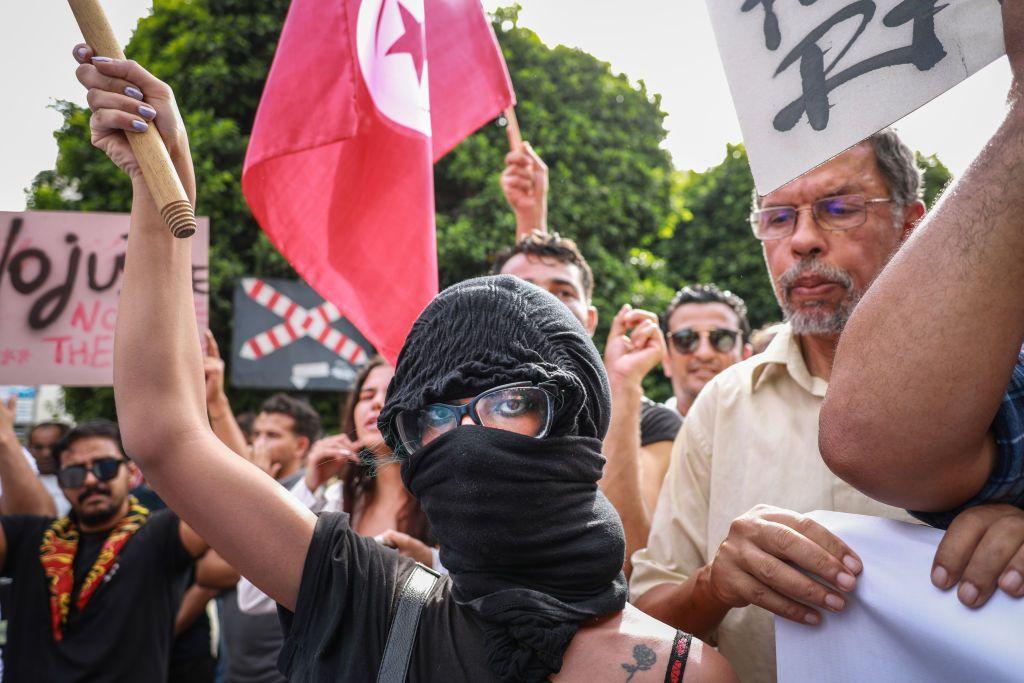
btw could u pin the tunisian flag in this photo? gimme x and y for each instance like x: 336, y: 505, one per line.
x: 361, y: 99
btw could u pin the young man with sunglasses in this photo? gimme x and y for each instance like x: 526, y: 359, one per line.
x: 636, y: 459
x: 707, y: 331
x: 108, y: 574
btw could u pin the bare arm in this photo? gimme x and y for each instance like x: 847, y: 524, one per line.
x: 193, y: 604
x: 218, y: 408
x: 628, y: 359
x: 690, y: 606
x: 654, y: 459
x: 158, y: 371
x: 214, y: 573
x: 23, y: 493
x: 924, y: 361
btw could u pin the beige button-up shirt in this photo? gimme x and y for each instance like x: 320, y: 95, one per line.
x: 751, y: 437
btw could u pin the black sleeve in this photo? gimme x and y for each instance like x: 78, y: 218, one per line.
x: 343, y: 610
x: 658, y: 423
x: 168, y: 526
x: 22, y: 533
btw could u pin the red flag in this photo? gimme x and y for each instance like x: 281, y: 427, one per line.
x: 361, y: 98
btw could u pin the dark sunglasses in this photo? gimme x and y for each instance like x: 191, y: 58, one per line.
x: 73, y: 476
x: 521, y: 407
x: 687, y: 339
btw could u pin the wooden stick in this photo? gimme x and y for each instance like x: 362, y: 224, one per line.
x: 515, y: 138
x: 155, y: 162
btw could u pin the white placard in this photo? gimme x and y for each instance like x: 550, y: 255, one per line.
x: 897, y: 626
x: 811, y: 78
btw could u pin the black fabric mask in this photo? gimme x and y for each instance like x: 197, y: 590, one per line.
x: 532, y: 546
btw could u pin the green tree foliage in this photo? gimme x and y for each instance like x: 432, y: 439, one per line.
x: 599, y: 133
x: 646, y: 229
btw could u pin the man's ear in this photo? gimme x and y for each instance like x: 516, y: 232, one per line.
x: 591, y: 320
x: 912, y: 216
x: 304, y: 444
x: 666, y: 366
x: 748, y: 351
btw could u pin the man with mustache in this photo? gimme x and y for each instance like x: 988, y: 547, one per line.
x: 746, y: 462
x: 109, y: 573
x: 707, y: 331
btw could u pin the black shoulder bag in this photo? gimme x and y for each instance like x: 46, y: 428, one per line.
x: 394, y: 664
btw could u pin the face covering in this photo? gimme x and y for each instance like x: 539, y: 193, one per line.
x: 532, y: 546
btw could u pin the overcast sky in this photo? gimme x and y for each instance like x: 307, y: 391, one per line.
x: 667, y: 43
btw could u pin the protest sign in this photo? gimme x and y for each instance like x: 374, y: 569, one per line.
x: 811, y: 79
x: 288, y: 337
x: 60, y: 275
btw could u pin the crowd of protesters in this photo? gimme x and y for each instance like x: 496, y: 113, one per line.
x: 573, y: 528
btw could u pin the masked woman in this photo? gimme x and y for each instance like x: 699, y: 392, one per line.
x: 496, y: 414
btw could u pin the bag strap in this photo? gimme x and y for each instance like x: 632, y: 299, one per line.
x: 394, y: 664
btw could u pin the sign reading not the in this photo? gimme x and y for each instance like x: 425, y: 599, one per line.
x: 812, y: 78
x: 60, y: 276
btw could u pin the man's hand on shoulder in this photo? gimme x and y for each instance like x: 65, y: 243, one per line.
x: 752, y: 566
x: 982, y: 549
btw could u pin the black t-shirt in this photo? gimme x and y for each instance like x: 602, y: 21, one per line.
x: 349, y: 591
x: 658, y: 423
x: 124, y: 633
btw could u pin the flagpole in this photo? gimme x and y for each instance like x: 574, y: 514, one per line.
x: 155, y: 162
x: 515, y: 137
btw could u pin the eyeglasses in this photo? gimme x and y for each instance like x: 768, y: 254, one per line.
x: 832, y: 213
x: 687, y: 339
x: 521, y: 407
x: 73, y: 476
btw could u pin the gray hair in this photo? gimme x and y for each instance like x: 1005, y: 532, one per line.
x: 898, y: 167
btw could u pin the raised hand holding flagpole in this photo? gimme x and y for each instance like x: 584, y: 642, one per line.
x: 157, y: 169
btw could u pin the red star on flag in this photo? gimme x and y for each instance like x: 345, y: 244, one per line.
x: 411, y: 42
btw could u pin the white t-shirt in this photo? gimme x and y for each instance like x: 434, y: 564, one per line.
x: 896, y: 625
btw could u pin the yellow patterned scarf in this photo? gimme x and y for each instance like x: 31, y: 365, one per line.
x: 57, y: 553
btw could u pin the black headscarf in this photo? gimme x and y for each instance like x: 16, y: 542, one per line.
x: 533, y: 547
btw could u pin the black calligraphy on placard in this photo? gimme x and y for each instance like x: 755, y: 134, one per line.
x: 818, y: 79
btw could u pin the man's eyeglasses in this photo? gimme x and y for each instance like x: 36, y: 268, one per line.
x: 520, y: 407
x: 687, y: 340
x: 832, y: 213
x: 73, y: 476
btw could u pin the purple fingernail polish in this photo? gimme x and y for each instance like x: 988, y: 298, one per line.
x: 140, y: 126
x: 81, y: 52
x: 132, y: 91
x: 147, y: 112
x: 102, y: 59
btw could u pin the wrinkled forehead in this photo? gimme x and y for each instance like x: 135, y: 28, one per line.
x: 855, y: 171
x: 88, y: 449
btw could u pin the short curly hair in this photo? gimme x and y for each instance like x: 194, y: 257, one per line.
x: 548, y: 245
x: 708, y: 293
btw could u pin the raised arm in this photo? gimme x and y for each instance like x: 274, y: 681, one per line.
x: 23, y: 493
x: 158, y: 370
x: 925, y: 360
x: 218, y: 408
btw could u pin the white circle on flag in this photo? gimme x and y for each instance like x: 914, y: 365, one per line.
x: 391, y: 44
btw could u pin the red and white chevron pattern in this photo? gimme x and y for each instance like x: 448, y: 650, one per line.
x: 298, y: 323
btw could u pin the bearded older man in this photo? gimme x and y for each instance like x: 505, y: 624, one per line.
x: 746, y: 462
